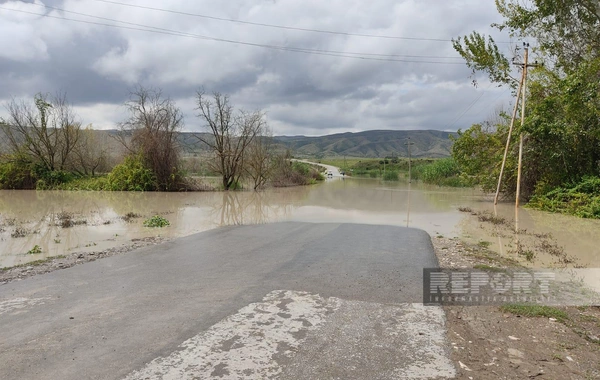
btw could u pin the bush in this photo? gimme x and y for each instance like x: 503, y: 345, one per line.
x: 131, y: 175
x: 580, y: 199
x: 443, y: 172
x: 390, y: 176
x: 286, y: 173
x: 51, y: 179
x: 17, y: 172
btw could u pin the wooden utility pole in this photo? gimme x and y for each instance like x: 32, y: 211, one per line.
x: 408, y: 144
x: 522, y: 92
x: 510, y: 129
x: 525, y: 65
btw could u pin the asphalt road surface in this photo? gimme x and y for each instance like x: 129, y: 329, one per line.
x: 281, y: 301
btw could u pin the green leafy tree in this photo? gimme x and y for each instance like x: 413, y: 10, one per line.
x: 562, y: 124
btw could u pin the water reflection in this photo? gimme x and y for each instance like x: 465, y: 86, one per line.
x: 346, y: 200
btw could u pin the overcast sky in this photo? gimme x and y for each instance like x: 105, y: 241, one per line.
x: 308, y: 94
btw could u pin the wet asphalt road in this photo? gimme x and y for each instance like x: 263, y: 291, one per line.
x: 283, y: 300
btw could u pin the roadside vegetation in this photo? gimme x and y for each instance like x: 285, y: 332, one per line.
x: 527, y: 310
x: 580, y: 199
x: 44, y: 147
x: 441, y: 172
x: 561, y: 169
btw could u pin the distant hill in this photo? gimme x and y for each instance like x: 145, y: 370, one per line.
x: 378, y: 143
x: 426, y: 143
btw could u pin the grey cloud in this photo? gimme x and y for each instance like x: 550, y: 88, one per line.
x: 302, y: 93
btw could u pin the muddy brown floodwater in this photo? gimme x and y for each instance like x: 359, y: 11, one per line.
x: 64, y: 222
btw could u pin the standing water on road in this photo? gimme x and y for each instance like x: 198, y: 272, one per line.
x: 61, y: 222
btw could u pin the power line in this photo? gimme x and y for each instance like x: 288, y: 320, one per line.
x: 311, y: 50
x: 152, y: 29
x: 493, y: 102
x: 274, y: 25
x: 468, y: 107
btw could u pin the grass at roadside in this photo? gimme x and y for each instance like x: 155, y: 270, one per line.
x: 536, y: 311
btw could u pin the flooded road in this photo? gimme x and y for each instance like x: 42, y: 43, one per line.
x: 65, y: 222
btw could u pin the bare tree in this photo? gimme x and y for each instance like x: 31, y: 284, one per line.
x: 259, y: 158
x: 230, y: 134
x: 151, y: 130
x: 90, y: 155
x: 47, y: 131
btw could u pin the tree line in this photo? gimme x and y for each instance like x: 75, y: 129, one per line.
x: 562, y: 120
x: 45, y: 146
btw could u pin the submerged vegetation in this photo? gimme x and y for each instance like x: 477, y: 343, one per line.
x: 156, y: 221
x: 35, y: 250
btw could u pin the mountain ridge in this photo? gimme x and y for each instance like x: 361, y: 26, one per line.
x: 372, y: 143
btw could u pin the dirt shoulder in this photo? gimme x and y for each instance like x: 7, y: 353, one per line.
x: 489, y: 342
x: 53, y: 263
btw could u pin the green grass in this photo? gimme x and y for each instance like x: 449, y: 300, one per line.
x: 535, y: 311
x: 484, y: 244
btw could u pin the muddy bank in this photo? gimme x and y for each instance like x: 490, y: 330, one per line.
x: 53, y: 263
x: 489, y: 342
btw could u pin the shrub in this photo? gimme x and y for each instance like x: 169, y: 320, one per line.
x: 17, y: 172
x: 286, y: 173
x: 51, y: 179
x: 443, y: 172
x: 580, y: 199
x: 131, y: 175
x: 390, y: 176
